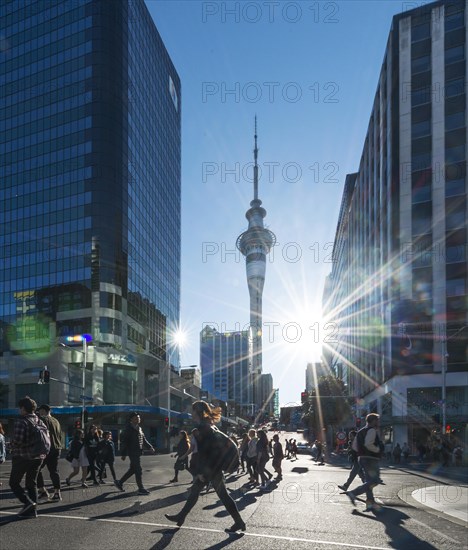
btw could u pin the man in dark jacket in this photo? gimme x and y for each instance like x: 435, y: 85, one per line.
x: 24, y: 460
x: 51, y: 460
x: 133, y: 441
x: 369, y: 448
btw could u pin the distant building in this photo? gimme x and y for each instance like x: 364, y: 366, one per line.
x: 192, y: 374
x: 267, y: 393
x: 224, y: 362
x: 276, y: 403
x: 398, y: 289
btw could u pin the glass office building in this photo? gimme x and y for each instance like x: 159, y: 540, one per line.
x: 398, y: 291
x: 89, y: 198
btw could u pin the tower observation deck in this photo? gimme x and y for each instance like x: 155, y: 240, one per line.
x: 255, y: 244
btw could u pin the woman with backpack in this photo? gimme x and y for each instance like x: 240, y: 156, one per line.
x: 183, y: 450
x: 210, y: 466
x: 79, y: 458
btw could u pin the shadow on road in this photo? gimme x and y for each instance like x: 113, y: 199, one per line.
x: 165, y: 540
x: 401, y: 539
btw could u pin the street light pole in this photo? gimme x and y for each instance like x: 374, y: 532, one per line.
x: 83, y: 380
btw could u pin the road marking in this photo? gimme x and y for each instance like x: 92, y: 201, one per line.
x: 207, y: 530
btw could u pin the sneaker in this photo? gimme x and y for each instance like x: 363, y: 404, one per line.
x: 57, y: 496
x: 344, y: 487
x: 352, y: 497
x: 263, y: 486
x: 28, y: 509
x: 119, y: 485
x: 67, y: 481
x: 102, y: 482
x: 84, y: 485
x: 43, y: 496
x: 143, y: 492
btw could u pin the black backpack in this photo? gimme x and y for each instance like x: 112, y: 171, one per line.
x: 40, y: 438
x: 225, y: 450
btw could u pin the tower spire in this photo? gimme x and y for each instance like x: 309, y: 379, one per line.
x: 255, y: 163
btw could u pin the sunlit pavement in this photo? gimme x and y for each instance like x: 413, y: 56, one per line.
x: 305, y: 510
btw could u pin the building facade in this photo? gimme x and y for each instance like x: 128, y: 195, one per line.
x: 398, y: 288
x: 192, y: 375
x: 90, y: 201
x: 225, y: 362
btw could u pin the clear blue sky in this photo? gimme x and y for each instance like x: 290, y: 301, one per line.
x: 309, y: 72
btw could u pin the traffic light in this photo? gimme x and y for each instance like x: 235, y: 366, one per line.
x: 46, y: 376
x: 77, y: 424
x: 304, y: 396
x: 166, y: 422
x: 448, y: 429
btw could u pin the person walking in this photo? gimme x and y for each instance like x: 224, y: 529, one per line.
x: 25, y: 458
x: 133, y: 442
x: 209, y: 466
x: 2, y: 447
x: 182, y: 453
x: 243, y: 451
x: 405, y: 451
x: 51, y: 460
x: 79, y: 458
x: 369, y: 448
x: 263, y: 456
x: 91, y: 442
x: 397, y: 454
x: 278, y: 456
x: 252, y: 457
x: 193, y: 465
x: 106, y: 455
x: 355, y: 467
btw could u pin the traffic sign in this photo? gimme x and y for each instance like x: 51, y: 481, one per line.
x: 341, y: 436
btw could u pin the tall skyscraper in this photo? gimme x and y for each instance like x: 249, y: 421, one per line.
x: 224, y: 361
x: 255, y: 244
x: 90, y: 199
x: 398, y: 289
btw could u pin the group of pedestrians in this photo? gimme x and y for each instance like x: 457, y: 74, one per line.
x: 198, y: 453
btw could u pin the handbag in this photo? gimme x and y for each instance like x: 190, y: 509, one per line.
x: 180, y: 465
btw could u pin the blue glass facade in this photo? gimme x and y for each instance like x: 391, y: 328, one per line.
x: 224, y: 361
x: 89, y: 178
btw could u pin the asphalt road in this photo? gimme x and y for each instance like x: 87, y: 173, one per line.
x: 304, y: 511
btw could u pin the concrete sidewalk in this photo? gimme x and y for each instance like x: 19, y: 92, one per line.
x: 451, y: 500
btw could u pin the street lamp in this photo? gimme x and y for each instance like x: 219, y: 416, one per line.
x: 84, y: 339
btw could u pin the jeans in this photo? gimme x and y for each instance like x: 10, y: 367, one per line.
x: 220, y: 488
x: 135, y: 469
x: 262, y: 470
x: 355, y: 470
x: 371, y: 470
x: 102, y: 469
x: 252, y: 467
x: 19, y: 467
x: 51, y: 461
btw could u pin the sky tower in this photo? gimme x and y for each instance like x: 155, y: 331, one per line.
x: 255, y: 244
